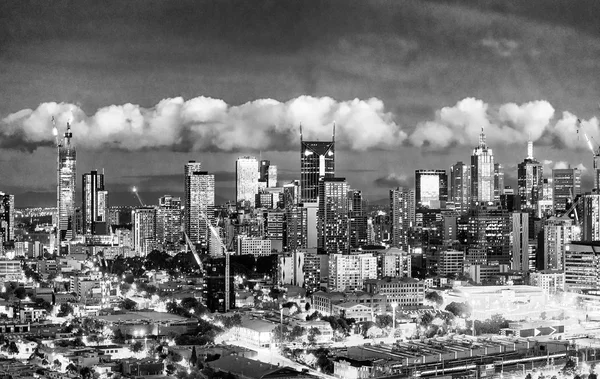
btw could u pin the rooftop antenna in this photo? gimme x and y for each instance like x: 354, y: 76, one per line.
x: 300, y: 131
x: 529, y: 147
x: 333, y: 134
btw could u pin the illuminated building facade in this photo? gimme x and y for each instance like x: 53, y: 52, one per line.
x: 431, y: 188
x: 357, y: 219
x: 520, y: 241
x: 591, y: 217
x: 199, y: 202
x: 530, y: 176
x: 296, y: 228
x: 558, y: 233
x: 566, y: 185
x: 582, y: 266
x: 333, y: 215
x: 498, y: 181
x: 67, y: 178
x: 489, y: 230
x: 402, y: 215
x: 95, y: 204
x: 144, y: 230
x: 7, y: 218
x: 317, y: 160
x: 460, y: 186
x: 168, y: 220
x: 247, y: 174
x: 482, y: 172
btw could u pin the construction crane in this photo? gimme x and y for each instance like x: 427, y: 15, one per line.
x: 595, y: 154
x: 191, y: 246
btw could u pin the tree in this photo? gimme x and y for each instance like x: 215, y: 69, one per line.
x: 435, y: 298
x: 65, y: 310
x: 307, y: 307
x: 543, y: 315
x: 20, y: 293
x: 193, y: 357
x: 12, y: 348
x: 313, y: 333
x: 72, y: 368
x: 426, y: 319
x: 128, y: 304
x: 136, y: 347
x: 383, y: 321
x: 297, y: 332
x: 459, y: 309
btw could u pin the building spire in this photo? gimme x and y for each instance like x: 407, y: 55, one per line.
x: 482, y: 138
x: 300, y: 132
x: 529, y: 147
x: 333, y: 134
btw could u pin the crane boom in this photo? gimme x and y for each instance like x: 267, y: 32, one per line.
x: 189, y: 243
x: 137, y: 194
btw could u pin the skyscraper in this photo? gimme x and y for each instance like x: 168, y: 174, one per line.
x: 168, y: 220
x: 520, y: 242
x: 333, y: 215
x: 402, y: 215
x: 296, y: 227
x: 489, y: 231
x: 317, y: 160
x: 567, y: 185
x: 7, y: 218
x: 94, y: 206
x: 357, y: 219
x: 530, y: 177
x: 431, y: 188
x: 199, y: 202
x: 460, y: 186
x: 558, y: 232
x: 591, y: 217
x: 268, y: 173
x: 144, y: 230
x: 67, y: 178
x: 247, y: 174
x: 498, y: 181
x: 482, y: 172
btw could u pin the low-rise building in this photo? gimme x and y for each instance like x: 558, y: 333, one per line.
x: 405, y: 292
x: 245, y: 368
x: 358, y: 312
x: 551, y: 281
x: 255, y: 332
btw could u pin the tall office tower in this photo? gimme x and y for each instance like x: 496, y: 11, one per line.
x: 332, y: 216
x: 489, y: 230
x: 431, y: 188
x: 498, y: 181
x: 168, y: 220
x: 144, y: 230
x: 530, y: 176
x: 268, y: 173
x: 582, y: 267
x: 291, y: 194
x: 357, y: 219
x: 215, y: 288
x: 520, y: 241
x: 67, y: 178
x: 402, y: 215
x: 7, y: 218
x: 94, y: 208
x: 545, y: 206
x: 317, y: 160
x: 199, y: 202
x: 275, y: 228
x: 591, y: 217
x: 558, y: 232
x: 566, y: 186
x: 247, y: 173
x: 482, y: 172
x: 460, y: 186
x: 296, y: 228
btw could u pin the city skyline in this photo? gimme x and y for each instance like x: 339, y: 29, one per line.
x: 514, y: 51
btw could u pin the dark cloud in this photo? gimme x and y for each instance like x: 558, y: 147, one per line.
x: 393, y: 180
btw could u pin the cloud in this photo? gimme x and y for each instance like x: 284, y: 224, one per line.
x: 505, y: 125
x: 392, y: 180
x: 204, y: 123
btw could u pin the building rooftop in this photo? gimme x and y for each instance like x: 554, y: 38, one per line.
x: 250, y: 368
x: 258, y: 325
x: 141, y: 316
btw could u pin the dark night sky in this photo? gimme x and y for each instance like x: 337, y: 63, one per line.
x: 404, y: 60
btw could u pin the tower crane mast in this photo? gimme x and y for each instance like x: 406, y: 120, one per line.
x: 595, y: 154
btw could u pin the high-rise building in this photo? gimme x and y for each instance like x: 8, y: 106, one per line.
x: 482, y: 172
x: 275, y: 228
x: 451, y: 262
x: 7, y: 218
x: 402, y: 215
x: 393, y: 263
x: 530, y: 176
x: 498, y: 181
x: 199, y: 202
x: 567, y: 185
x: 268, y: 173
x: 489, y: 231
x: 333, y: 215
x: 460, y: 186
x: 67, y: 178
x: 357, y: 219
x: 520, y: 241
x: 558, y: 233
x: 94, y: 208
x: 545, y: 206
x: 168, y: 220
x: 317, y: 160
x: 215, y: 287
x: 296, y: 228
x: 247, y: 174
x: 144, y: 230
x: 591, y: 217
x: 431, y: 188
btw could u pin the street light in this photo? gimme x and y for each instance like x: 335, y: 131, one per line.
x: 394, y: 305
